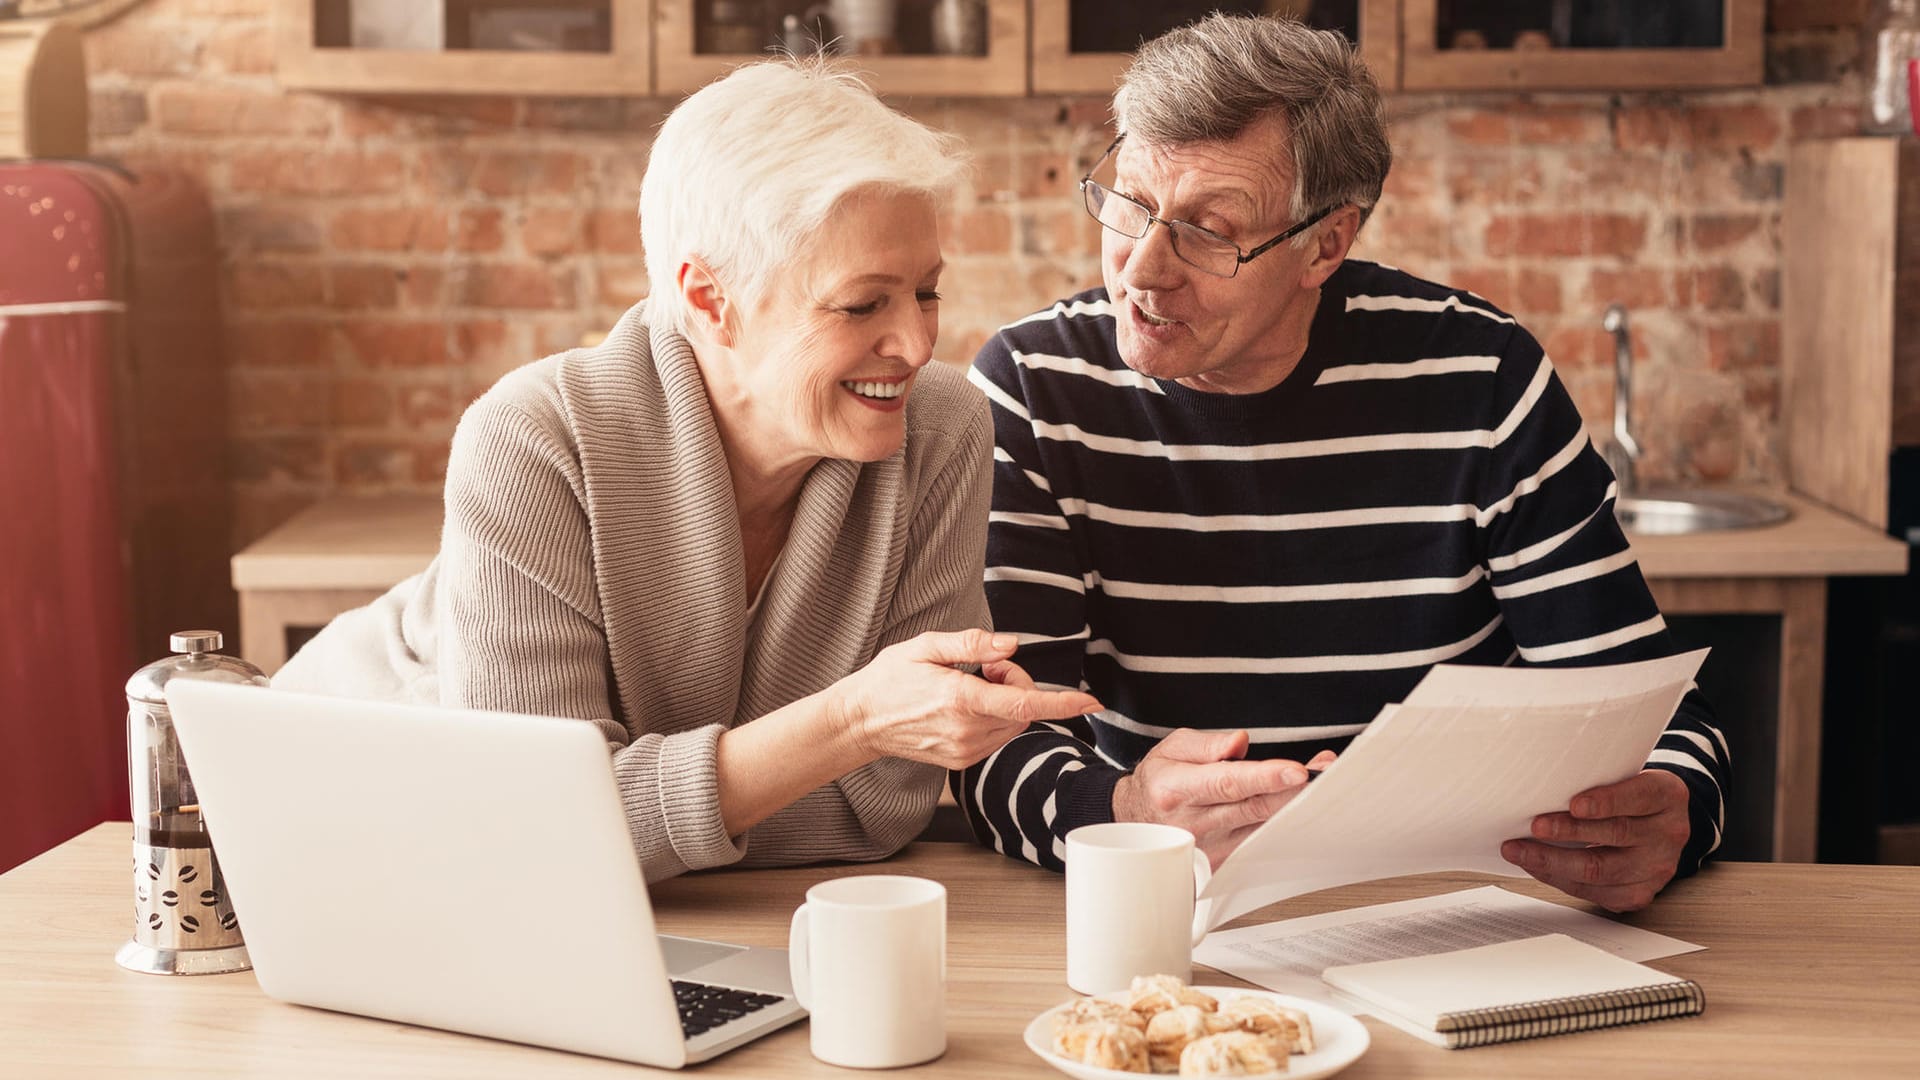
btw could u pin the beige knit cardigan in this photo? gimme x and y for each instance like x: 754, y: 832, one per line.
x: 590, y: 566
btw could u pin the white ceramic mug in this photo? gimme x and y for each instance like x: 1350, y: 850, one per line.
x: 1130, y: 904
x: 869, y: 960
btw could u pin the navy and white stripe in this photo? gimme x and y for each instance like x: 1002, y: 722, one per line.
x: 1419, y: 490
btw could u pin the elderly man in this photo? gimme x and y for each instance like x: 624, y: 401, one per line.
x: 1250, y: 490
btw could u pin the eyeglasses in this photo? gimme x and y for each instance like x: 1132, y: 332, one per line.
x: 1202, y: 249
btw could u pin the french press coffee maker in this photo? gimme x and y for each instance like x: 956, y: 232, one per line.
x: 183, y: 920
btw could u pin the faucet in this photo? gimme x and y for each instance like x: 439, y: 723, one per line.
x: 1622, y: 451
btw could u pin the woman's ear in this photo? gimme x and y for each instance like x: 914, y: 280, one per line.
x: 710, y: 311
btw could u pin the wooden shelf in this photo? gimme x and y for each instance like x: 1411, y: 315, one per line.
x: 626, y: 70
x: 1426, y: 66
x: 1001, y: 72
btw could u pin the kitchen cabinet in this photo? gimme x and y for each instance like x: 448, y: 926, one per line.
x: 575, y: 48
x: 1003, y: 48
x: 692, y: 51
x: 1777, y: 573
x: 1581, y: 44
x: 1081, y: 46
x: 1850, y: 334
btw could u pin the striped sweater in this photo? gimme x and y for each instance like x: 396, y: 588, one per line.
x: 1418, y: 490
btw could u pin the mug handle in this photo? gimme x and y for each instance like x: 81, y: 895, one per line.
x: 1202, y: 873
x: 797, y: 965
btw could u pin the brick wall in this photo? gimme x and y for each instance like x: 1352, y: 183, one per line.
x: 385, y: 260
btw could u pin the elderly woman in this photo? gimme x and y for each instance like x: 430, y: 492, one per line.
x: 743, y: 535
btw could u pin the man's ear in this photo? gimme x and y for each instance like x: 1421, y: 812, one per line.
x: 1331, y: 242
x: 710, y: 311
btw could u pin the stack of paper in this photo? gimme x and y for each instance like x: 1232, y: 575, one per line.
x: 1441, y: 780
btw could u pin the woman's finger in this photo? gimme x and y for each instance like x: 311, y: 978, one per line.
x: 960, y: 647
x: 1028, y: 706
x: 1006, y: 673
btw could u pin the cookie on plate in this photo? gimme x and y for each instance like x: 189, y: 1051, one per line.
x: 1156, y: 993
x: 1088, y: 1010
x: 1104, y: 1044
x: 1170, y: 1030
x: 1232, y: 1053
x: 1290, y: 1027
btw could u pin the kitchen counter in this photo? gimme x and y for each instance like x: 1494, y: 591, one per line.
x: 336, y: 554
x: 366, y: 543
x: 1814, y: 542
x: 1777, y: 571
x: 344, y: 552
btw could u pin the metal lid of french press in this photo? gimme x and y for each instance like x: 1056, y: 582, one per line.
x: 198, y: 660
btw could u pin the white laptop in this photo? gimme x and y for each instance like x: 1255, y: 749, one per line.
x: 456, y: 869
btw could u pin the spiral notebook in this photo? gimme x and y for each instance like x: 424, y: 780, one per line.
x: 1524, y: 989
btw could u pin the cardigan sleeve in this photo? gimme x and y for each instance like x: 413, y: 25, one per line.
x: 520, y: 628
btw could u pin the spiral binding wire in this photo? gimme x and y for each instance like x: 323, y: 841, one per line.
x: 1581, y: 1012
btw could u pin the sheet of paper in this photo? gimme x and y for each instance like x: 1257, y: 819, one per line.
x: 1289, y: 955
x: 1438, y: 782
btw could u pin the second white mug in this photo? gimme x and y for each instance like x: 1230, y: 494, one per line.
x: 1130, y: 904
x: 869, y: 961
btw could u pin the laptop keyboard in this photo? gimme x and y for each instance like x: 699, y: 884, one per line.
x: 704, y: 1007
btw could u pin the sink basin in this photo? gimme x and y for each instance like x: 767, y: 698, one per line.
x: 1668, y: 513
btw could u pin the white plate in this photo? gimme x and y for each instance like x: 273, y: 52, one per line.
x: 1338, y: 1039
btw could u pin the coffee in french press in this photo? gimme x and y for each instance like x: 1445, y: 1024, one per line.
x: 184, y: 923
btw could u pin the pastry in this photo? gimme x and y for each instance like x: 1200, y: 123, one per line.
x: 1088, y: 1010
x: 1290, y: 1027
x: 1170, y: 1030
x: 1154, y: 993
x: 1105, y: 1045
x: 1231, y: 1053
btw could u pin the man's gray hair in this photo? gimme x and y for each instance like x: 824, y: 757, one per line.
x: 1207, y: 82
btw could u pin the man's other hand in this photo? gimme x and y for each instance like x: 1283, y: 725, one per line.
x: 1199, y: 781
x: 1627, y: 839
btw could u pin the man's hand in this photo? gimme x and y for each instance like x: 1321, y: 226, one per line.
x: 1633, y: 832
x: 1197, y: 781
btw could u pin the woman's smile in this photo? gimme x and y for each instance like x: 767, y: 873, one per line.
x: 886, y: 395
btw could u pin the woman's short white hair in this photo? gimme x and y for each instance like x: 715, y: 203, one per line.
x: 744, y: 173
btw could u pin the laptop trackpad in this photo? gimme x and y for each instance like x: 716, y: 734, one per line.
x: 764, y: 970
x: 683, y: 954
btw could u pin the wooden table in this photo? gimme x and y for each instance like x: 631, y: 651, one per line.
x: 1810, y: 971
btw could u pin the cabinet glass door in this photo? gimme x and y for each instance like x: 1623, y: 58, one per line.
x: 1082, y: 46
x: 1597, y: 44
x: 945, y: 47
x: 1580, y: 24
x: 437, y: 25
x: 571, y: 47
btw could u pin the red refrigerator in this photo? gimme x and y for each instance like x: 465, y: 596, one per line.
x: 115, y: 523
